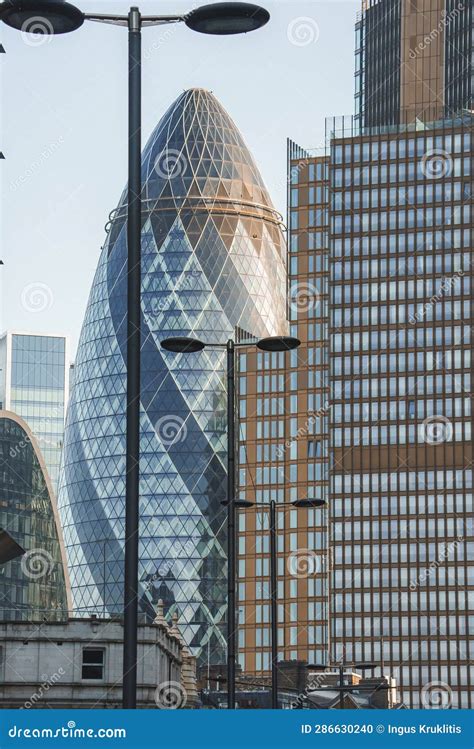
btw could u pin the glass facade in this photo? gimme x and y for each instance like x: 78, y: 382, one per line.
x: 400, y: 326
x: 460, y: 56
x: 377, y: 71
x: 33, y: 587
x: 35, y: 386
x: 213, y: 265
x: 414, y: 61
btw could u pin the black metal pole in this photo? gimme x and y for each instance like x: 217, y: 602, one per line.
x: 133, y: 365
x: 274, y: 606
x: 231, y: 628
x: 341, y: 685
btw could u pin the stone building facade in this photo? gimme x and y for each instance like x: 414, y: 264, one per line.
x: 78, y: 664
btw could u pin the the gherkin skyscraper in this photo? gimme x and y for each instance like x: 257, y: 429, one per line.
x: 213, y: 266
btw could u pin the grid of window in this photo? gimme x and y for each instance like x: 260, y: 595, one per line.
x: 38, y: 392
x: 400, y: 331
x: 459, y: 65
x: 377, y: 73
x: 284, y: 446
x: 32, y: 588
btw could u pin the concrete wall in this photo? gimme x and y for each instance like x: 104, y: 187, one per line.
x: 41, y: 664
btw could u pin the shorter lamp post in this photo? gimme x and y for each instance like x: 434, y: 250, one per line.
x: 342, y: 666
x: 183, y: 345
x: 272, y: 505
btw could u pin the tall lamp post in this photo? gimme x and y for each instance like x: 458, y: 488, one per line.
x: 192, y: 345
x: 61, y: 17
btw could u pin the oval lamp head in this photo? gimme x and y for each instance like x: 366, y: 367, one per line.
x: 365, y: 666
x: 309, y: 503
x: 242, y: 504
x: 227, y: 18
x: 42, y: 17
x: 278, y: 343
x: 183, y: 345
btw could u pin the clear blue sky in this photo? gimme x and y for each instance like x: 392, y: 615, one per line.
x: 64, y: 130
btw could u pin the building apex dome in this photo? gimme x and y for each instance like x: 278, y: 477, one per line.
x: 197, y: 152
x: 198, y: 90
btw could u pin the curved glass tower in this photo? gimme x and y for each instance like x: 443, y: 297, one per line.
x: 213, y: 266
x: 32, y: 587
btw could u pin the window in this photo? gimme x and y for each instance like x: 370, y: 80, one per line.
x: 93, y: 663
x: 314, y: 449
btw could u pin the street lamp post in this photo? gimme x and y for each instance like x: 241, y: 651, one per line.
x: 274, y: 602
x: 272, y: 505
x: 341, y: 685
x: 61, y: 17
x: 132, y: 498
x: 231, y: 543
x: 192, y: 345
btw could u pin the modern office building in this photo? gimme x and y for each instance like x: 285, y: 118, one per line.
x: 400, y: 327
x: 213, y: 267
x: 283, y: 454
x: 34, y: 383
x: 400, y: 433
x: 34, y: 586
x: 414, y: 60
x: 397, y: 245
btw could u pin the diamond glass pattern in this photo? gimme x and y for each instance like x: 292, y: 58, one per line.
x: 213, y: 263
